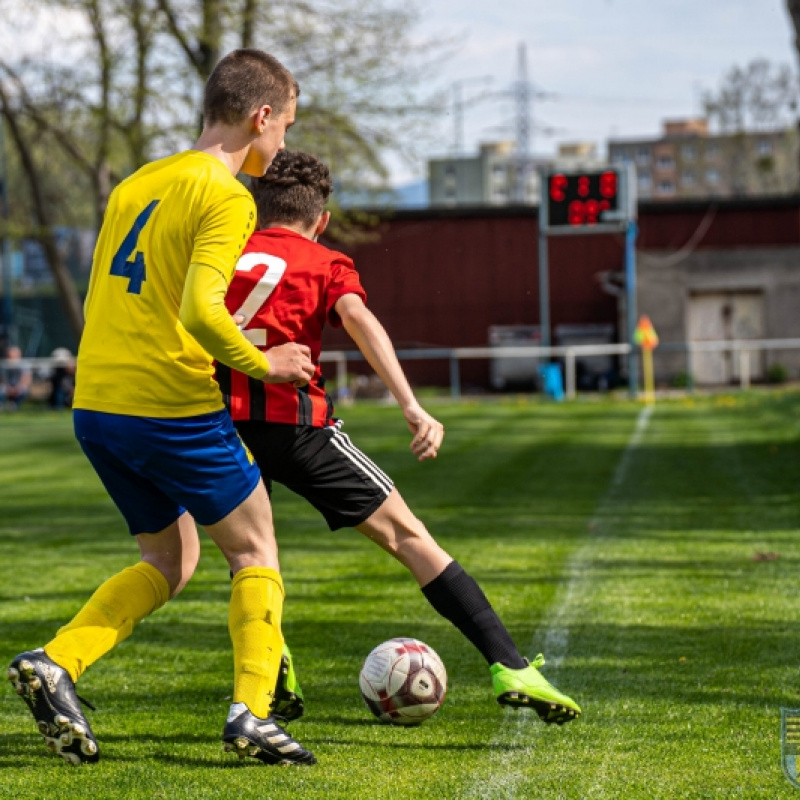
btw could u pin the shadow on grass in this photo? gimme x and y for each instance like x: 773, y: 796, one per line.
x: 722, y: 663
x: 16, y: 749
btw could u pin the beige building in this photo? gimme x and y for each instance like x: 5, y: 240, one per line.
x: 689, y: 162
x: 497, y: 176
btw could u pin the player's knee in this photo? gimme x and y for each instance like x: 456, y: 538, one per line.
x: 177, y: 570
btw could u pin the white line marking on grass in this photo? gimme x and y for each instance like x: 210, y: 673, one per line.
x: 556, y: 635
x: 506, y: 774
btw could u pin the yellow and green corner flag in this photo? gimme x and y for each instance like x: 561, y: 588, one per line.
x: 646, y: 337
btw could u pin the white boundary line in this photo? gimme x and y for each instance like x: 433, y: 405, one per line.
x: 503, y: 779
x: 556, y: 636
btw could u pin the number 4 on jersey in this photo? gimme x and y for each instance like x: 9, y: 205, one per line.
x: 134, y: 270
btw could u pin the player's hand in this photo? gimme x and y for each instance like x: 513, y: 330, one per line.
x: 428, y: 432
x: 289, y: 363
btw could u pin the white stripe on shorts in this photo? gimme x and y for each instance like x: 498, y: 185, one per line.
x: 341, y: 441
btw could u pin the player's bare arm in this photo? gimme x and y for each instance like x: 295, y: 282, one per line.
x: 373, y: 341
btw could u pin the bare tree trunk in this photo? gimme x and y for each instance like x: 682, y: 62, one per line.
x: 248, y: 22
x: 101, y: 170
x: 793, y: 6
x: 205, y: 52
x: 70, y: 299
x: 142, y: 31
x: 210, y: 42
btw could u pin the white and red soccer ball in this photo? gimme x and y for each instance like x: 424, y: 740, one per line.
x: 403, y: 681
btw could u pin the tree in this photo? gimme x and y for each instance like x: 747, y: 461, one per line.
x: 358, y: 64
x: 122, y: 83
x: 84, y: 117
x: 793, y: 7
x: 758, y: 98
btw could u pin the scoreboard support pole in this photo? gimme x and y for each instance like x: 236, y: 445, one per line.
x: 630, y: 303
x: 544, y: 290
x: 601, y: 200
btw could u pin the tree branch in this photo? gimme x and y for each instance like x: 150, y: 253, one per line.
x: 172, y: 23
x: 64, y: 283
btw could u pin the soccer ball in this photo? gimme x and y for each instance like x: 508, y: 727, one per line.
x: 403, y: 681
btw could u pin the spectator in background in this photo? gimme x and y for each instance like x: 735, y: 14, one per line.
x: 15, y: 379
x: 62, y: 378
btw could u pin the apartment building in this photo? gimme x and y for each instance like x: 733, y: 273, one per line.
x: 498, y: 176
x: 689, y: 162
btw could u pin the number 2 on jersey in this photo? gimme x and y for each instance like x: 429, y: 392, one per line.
x: 134, y: 270
x: 260, y: 292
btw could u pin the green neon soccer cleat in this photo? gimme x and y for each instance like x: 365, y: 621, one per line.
x: 528, y: 688
x: 288, y: 704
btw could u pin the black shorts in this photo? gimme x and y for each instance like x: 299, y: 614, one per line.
x: 320, y: 464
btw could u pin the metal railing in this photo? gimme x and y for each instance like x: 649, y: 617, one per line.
x: 741, y: 349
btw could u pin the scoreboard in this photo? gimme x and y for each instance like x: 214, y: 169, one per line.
x: 588, y: 201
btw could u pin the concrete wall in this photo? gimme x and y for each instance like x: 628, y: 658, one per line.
x: 442, y: 277
x: 667, y: 284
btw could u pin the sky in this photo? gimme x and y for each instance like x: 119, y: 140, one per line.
x: 610, y: 68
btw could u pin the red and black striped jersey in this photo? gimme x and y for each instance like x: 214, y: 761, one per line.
x: 286, y: 287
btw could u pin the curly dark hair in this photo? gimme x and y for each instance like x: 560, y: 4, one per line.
x: 295, y: 189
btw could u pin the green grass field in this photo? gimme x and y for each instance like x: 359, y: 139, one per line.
x: 654, y: 560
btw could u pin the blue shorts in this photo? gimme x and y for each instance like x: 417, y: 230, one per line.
x: 155, y: 469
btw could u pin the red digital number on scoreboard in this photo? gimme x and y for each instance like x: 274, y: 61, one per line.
x: 558, y: 188
x: 608, y: 184
x: 579, y: 200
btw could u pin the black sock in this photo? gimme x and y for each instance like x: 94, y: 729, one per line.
x: 459, y: 599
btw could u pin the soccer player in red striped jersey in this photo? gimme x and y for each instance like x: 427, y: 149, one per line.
x: 286, y: 288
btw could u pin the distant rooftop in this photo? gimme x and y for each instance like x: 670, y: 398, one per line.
x: 686, y: 127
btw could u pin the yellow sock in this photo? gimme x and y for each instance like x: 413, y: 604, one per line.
x: 254, y: 622
x: 109, y: 617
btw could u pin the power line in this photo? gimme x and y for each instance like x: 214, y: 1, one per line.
x: 459, y: 104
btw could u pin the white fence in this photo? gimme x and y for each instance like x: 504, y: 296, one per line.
x: 742, y: 350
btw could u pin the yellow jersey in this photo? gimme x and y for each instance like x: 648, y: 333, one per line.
x: 135, y: 356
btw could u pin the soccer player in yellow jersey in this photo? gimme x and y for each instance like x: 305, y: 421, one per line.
x: 150, y: 417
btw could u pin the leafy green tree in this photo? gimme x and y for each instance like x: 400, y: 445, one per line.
x: 121, y: 84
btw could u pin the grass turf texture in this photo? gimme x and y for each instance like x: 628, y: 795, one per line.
x: 646, y: 574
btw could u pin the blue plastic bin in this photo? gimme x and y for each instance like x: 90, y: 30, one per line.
x: 552, y: 381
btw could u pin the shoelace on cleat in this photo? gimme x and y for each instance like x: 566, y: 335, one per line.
x: 537, y: 662
x: 85, y: 702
